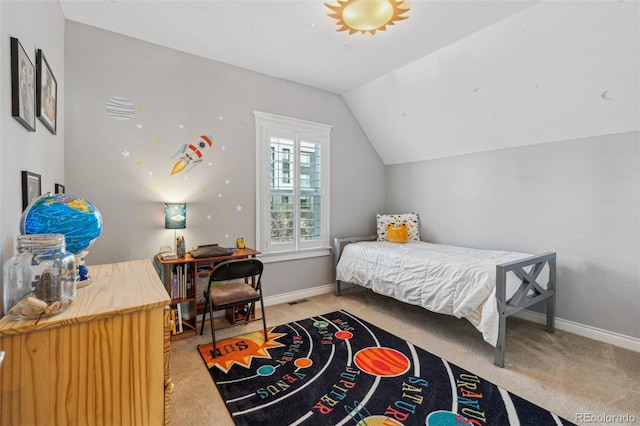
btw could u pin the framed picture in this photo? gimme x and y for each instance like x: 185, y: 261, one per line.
x: 22, y: 86
x: 46, y: 93
x: 31, y: 187
x: 59, y: 188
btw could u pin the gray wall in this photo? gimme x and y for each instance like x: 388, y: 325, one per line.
x: 170, y: 89
x: 579, y: 198
x: 38, y: 25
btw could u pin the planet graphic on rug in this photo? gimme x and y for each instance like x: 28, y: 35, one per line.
x: 446, y: 418
x: 384, y: 362
x: 266, y: 370
x: 344, y: 335
x: 379, y: 421
x: 303, y: 362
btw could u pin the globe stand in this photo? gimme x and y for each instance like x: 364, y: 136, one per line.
x: 82, y: 272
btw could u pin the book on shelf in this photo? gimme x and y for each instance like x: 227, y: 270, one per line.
x: 179, y: 309
x: 182, y: 282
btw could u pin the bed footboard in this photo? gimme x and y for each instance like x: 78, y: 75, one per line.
x: 529, y: 293
x: 338, y: 245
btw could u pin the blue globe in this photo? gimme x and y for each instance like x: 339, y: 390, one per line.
x: 75, y: 217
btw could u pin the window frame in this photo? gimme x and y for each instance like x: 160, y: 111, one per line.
x: 268, y: 125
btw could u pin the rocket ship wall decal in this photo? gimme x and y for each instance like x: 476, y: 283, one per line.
x: 191, y: 154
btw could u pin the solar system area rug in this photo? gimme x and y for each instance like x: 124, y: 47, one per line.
x: 336, y: 369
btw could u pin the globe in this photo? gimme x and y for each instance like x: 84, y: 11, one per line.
x: 75, y: 217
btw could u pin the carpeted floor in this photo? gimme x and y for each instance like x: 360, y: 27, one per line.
x: 582, y: 380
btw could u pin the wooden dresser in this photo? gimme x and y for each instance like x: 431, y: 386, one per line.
x: 105, y: 361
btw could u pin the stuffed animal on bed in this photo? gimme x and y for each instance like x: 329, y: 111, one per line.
x: 397, y: 233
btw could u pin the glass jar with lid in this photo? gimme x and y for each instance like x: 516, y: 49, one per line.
x: 40, y: 280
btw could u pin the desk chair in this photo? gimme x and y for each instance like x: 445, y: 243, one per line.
x: 227, y: 295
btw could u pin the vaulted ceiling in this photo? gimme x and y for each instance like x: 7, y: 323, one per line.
x: 456, y: 77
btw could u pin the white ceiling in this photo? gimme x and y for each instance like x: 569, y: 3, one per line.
x: 455, y: 78
x: 292, y: 39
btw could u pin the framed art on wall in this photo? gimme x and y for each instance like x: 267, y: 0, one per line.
x: 59, y: 188
x: 31, y: 187
x: 46, y: 93
x: 22, y: 86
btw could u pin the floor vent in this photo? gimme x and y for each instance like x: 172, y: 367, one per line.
x: 295, y: 302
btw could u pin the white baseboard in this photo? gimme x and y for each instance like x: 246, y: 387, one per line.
x: 297, y: 295
x: 594, y: 333
x: 288, y: 297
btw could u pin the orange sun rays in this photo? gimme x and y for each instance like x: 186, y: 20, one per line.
x: 367, y: 15
x: 241, y: 350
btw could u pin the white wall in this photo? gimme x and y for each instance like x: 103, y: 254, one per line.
x: 38, y: 25
x: 177, y: 97
x: 579, y: 198
x: 524, y: 136
x: 557, y: 70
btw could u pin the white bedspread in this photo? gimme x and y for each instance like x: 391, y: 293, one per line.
x: 446, y: 279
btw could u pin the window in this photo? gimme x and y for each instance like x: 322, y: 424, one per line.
x: 292, y: 197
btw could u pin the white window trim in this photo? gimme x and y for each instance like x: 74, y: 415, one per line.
x: 264, y: 122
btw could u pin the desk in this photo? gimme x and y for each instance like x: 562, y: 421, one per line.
x: 104, y: 361
x: 181, y: 282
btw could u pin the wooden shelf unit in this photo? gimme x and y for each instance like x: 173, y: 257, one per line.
x: 188, y: 297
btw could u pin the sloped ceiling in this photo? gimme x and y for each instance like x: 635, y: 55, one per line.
x: 556, y: 71
x: 456, y: 77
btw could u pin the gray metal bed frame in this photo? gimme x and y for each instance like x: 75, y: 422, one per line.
x: 529, y: 293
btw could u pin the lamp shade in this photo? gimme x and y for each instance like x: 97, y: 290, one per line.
x: 175, y: 215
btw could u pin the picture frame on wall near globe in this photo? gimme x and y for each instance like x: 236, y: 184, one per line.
x: 59, y: 188
x: 23, y: 93
x: 31, y: 187
x: 46, y: 93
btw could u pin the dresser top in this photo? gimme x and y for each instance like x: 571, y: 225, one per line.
x: 115, y: 289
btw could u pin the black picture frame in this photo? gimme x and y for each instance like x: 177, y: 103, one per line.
x: 59, y: 188
x: 22, y: 86
x: 46, y: 93
x: 31, y: 187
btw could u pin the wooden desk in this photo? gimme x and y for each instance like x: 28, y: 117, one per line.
x: 188, y: 300
x: 105, y: 361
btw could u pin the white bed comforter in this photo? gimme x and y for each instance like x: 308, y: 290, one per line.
x: 446, y: 279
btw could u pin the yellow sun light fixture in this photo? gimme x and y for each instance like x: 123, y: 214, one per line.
x: 367, y: 15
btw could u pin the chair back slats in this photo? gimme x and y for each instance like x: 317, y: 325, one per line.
x: 234, y: 269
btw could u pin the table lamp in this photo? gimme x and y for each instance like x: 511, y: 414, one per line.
x: 175, y: 217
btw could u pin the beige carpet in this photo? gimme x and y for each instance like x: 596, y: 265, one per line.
x: 577, y: 378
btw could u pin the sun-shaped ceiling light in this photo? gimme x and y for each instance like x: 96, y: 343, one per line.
x: 367, y: 15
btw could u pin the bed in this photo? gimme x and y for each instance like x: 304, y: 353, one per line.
x: 483, y: 286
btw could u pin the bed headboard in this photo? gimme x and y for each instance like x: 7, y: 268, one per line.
x: 339, y: 243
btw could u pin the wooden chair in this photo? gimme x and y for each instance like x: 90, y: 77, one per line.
x: 226, y: 295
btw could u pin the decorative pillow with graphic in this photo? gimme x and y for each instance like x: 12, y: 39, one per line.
x: 409, y: 219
